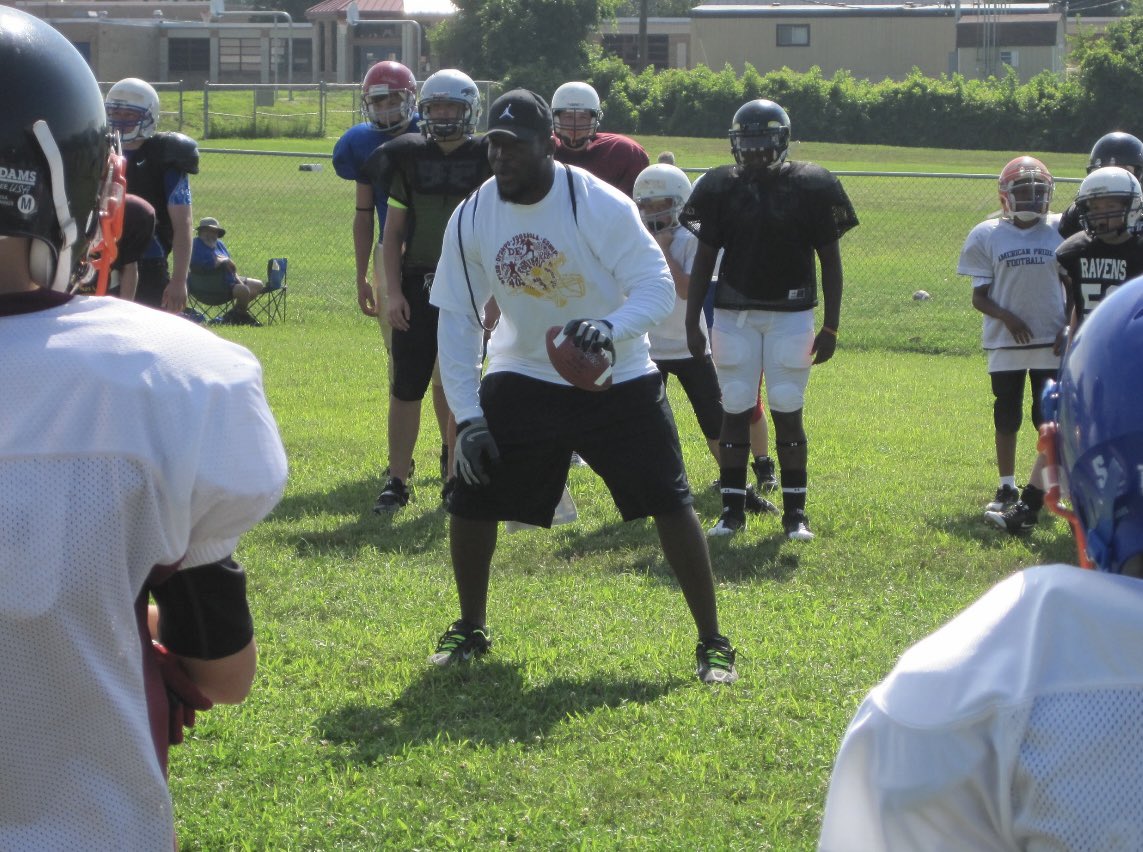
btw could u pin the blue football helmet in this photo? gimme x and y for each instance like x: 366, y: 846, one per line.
x: 1095, y: 430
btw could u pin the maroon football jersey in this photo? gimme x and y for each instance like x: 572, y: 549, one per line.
x: 611, y: 157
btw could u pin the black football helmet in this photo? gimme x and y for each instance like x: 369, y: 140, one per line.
x: 1117, y: 149
x: 55, y: 150
x: 760, y: 132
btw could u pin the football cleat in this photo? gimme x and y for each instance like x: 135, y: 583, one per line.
x: 797, y: 526
x: 728, y: 524
x: 759, y: 505
x: 461, y: 643
x: 1017, y: 518
x: 1006, y: 495
x: 394, y: 496
x: 715, y: 659
x: 764, y: 472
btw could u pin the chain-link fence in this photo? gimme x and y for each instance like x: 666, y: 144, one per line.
x: 901, y: 287
x: 261, y: 110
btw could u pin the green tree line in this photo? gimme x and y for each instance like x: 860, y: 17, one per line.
x: 543, y: 43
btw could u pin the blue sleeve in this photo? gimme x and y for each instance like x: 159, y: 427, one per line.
x: 178, y: 188
x: 344, y: 158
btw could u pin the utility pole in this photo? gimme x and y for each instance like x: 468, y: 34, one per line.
x: 642, y: 35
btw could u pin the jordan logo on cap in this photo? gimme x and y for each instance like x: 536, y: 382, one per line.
x: 508, y: 113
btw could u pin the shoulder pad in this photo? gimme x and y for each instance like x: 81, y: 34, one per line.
x: 403, y: 145
x: 178, y: 151
x: 811, y: 176
x: 715, y: 181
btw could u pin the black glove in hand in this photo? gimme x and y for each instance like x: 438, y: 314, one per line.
x: 591, y: 335
x: 475, y: 451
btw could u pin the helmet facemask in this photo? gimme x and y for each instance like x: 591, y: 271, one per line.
x: 576, y: 127
x: 1027, y: 199
x: 389, y: 111
x: 660, y: 212
x: 761, y: 149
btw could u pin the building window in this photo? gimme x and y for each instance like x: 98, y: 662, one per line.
x: 1010, y: 57
x: 239, y: 55
x: 793, y: 35
x: 303, y: 56
x: 626, y: 47
x: 188, y: 55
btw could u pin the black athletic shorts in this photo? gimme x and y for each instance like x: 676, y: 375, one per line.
x: 700, y: 383
x: 414, y: 352
x: 626, y: 434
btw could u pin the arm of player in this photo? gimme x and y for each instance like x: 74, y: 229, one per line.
x: 829, y: 256
x: 175, y: 294
x: 983, y: 302
x: 202, y: 616
x: 702, y: 270
x: 363, y: 230
x: 392, y: 252
x: 460, y: 345
x: 631, y: 254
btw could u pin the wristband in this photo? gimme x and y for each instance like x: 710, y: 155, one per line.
x: 828, y: 330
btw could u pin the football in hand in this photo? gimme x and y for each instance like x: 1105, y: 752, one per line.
x: 590, y: 371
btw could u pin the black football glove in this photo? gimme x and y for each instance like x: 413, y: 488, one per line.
x: 476, y: 452
x: 591, y: 335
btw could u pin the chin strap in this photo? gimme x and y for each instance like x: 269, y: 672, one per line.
x: 60, y: 277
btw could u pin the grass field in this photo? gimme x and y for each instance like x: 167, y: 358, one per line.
x: 585, y: 727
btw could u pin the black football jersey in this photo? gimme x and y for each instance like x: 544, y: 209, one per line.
x: 1096, y: 268
x: 770, y: 231
x: 416, y: 174
x: 1070, y: 221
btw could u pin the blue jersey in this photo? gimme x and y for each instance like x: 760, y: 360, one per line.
x: 351, y: 152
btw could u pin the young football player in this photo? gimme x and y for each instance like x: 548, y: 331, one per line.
x: 1095, y: 261
x: 611, y: 157
x: 1017, y: 725
x: 661, y: 191
x: 389, y: 109
x: 1016, y: 285
x: 158, y: 165
x: 557, y: 247
x: 1111, y: 149
x: 424, y: 177
x: 774, y: 218
x: 135, y: 449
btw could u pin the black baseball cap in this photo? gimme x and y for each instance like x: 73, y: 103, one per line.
x: 521, y: 114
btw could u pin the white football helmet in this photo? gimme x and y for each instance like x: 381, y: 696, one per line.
x: 138, y: 106
x: 658, y: 182
x: 1115, y: 183
x: 449, y: 86
x: 580, y: 97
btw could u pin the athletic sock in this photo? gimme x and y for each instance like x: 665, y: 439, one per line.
x: 733, y: 481
x: 793, y: 491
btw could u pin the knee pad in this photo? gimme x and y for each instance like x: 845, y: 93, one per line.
x: 1006, y: 414
x: 786, y: 397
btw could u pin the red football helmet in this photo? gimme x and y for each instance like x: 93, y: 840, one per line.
x: 1025, y: 189
x: 384, y: 79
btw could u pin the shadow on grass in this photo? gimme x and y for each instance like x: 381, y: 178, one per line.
x: 419, y: 528
x: 1051, y: 541
x: 486, y: 703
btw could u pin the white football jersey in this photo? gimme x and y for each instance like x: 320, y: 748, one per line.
x: 1018, y: 725
x: 129, y: 439
x: 1018, y: 265
x: 669, y: 338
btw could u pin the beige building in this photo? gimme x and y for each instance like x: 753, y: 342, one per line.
x: 878, y: 41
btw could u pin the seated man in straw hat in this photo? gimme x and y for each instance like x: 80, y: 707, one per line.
x: 214, y: 278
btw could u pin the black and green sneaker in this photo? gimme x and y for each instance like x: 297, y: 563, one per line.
x: 460, y: 643
x: 716, y: 660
